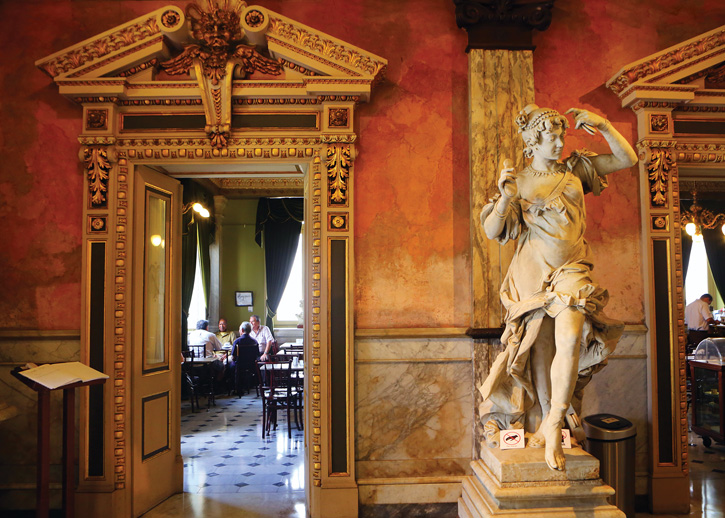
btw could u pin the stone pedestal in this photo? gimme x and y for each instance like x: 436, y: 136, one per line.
x: 519, y: 484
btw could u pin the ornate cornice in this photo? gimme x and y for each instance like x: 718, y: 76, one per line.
x: 345, y: 57
x: 691, y: 51
x: 502, y: 24
x: 98, y: 47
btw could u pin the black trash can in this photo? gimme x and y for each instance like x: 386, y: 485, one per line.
x: 611, y: 439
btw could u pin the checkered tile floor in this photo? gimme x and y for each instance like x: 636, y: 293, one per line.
x: 224, y: 451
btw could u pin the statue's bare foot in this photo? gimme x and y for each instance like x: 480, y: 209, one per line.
x: 554, y: 453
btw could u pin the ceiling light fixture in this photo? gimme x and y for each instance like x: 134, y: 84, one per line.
x: 697, y: 218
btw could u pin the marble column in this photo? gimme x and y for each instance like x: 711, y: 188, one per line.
x: 501, y: 83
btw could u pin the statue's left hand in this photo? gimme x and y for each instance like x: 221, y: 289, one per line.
x: 587, y: 120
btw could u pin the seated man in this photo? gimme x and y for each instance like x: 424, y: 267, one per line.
x: 202, y: 336
x: 244, y: 353
x: 225, y: 337
x: 698, y: 318
x: 263, y: 336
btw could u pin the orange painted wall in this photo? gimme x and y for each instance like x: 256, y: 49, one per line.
x: 411, y: 174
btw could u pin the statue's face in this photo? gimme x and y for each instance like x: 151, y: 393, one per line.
x: 551, y: 143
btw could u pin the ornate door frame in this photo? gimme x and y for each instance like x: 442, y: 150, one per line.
x: 307, y: 117
x: 668, y: 91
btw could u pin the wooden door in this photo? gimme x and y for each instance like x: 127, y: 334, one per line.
x: 157, y: 466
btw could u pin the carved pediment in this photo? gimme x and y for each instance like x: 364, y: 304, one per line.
x: 223, y: 54
x: 313, y: 61
x: 690, y: 72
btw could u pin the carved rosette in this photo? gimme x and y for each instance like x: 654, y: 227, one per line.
x: 339, y: 159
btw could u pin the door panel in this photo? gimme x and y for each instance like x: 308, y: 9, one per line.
x: 157, y: 468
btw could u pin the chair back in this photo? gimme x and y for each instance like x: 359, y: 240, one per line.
x: 198, y: 350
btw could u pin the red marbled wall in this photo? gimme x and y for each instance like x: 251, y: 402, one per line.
x: 411, y: 175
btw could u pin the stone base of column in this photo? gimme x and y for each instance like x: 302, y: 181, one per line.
x: 519, y: 484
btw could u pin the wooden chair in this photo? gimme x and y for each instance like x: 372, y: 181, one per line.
x: 278, y: 392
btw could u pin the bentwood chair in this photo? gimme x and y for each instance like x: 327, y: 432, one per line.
x: 278, y: 392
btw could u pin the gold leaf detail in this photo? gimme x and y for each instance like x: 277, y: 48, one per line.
x: 338, y: 171
x: 98, y: 167
x: 658, y: 170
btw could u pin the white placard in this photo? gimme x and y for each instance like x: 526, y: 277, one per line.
x: 511, y: 439
x: 565, y: 438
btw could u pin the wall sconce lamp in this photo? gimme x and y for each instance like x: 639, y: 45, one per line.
x: 698, y: 218
x: 198, y: 208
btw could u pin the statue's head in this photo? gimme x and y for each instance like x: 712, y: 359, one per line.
x: 533, y: 121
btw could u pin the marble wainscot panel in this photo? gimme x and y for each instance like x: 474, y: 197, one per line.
x: 621, y: 389
x: 413, y: 417
x: 18, y: 445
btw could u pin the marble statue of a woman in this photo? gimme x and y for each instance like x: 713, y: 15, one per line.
x: 556, y: 335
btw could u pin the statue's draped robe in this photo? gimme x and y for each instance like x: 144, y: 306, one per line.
x: 550, y: 271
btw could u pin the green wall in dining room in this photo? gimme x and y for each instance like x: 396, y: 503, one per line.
x: 242, y: 262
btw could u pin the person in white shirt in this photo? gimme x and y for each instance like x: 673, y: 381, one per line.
x: 263, y: 336
x: 698, y: 318
x: 201, y: 336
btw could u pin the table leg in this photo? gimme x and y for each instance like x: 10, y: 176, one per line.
x: 43, y: 467
x: 69, y: 408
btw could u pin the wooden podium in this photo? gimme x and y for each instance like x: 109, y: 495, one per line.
x: 43, y: 461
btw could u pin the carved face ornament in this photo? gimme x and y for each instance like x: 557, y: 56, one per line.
x: 220, y: 35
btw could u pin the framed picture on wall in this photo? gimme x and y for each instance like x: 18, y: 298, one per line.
x: 244, y: 298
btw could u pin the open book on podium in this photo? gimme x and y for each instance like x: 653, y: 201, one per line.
x: 58, y: 375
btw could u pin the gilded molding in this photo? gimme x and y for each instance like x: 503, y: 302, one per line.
x: 344, y: 138
x: 339, y: 160
x: 686, y: 51
x: 705, y: 153
x: 120, y: 329
x: 124, y: 37
x: 93, y: 140
x: 321, y: 46
x: 98, y: 168
x: 316, y: 305
x: 643, y: 105
x: 658, y: 88
x: 152, y: 63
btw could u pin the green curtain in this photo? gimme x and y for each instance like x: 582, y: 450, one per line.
x: 279, y: 221
x: 192, y: 193
x: 715, y: 249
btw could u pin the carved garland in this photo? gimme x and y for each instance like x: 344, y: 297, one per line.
x: 338, y: 171
x: 98, y: 167
x: 659, y: 167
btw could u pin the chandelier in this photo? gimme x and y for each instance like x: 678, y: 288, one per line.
x: 697, y: 218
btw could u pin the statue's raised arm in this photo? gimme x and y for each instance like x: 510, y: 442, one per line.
x: 622, y: 156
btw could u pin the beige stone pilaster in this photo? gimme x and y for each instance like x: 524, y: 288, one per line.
x: 501, y: 83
